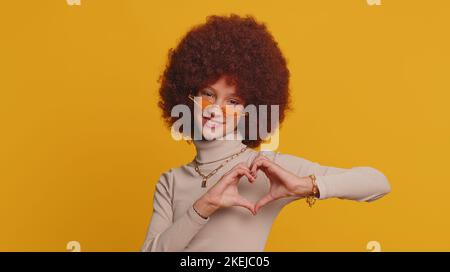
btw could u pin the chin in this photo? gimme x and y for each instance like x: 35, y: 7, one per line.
x: 212, y: 134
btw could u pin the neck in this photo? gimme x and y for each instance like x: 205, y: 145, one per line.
x: 209, y: 151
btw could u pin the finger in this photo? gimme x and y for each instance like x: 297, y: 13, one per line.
x: 239, y: 172
x: 262, y: 163
x: 235, y: 168
x: 256, y: 161
x: 249, y: 176
x: 263, y: 201
x: 253, y: 166
x: 246, y: 204
x: 253, y: 175
x: 241, y: 165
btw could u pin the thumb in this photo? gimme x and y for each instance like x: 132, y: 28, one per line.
x: 263, y: 201
x: 246, y: 204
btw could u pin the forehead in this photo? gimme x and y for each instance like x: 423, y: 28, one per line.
x: 223, y: 87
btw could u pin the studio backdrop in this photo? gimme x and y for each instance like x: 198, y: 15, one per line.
x: 82, y: 141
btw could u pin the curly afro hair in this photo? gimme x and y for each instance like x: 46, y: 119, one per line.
x: 239, y: 48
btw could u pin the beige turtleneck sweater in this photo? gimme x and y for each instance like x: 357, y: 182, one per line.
x: 175, y: 226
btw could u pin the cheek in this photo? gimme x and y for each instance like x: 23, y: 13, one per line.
x: 198, y: 119
x: 231, y: 122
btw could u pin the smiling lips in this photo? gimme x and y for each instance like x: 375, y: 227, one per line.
x: 211, y: 123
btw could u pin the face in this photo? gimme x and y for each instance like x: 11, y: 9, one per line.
x: 222, y: 113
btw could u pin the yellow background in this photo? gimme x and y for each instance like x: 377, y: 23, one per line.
x: 82, y: 143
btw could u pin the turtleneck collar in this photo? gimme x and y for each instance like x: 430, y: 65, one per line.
x: 209, y: 151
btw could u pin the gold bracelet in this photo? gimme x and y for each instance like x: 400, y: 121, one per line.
x: 311, y: 199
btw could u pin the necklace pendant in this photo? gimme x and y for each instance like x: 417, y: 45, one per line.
x: 204, y: 178
x: 204, y: 183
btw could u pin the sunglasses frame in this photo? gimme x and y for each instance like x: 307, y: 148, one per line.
x: 192, y: 97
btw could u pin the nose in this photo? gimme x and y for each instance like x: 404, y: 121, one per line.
x: 215, y: 110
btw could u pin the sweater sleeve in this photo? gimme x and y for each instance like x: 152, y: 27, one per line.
x: 361, y: 183
x: 163, y: 233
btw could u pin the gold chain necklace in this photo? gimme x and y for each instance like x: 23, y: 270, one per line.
x: 206, y: 177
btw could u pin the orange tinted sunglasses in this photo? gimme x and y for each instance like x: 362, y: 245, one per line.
x: 227, y: 110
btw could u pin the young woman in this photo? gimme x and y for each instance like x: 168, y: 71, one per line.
x: 228, y: 196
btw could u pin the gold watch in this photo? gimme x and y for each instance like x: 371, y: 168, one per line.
x: 311, y: 199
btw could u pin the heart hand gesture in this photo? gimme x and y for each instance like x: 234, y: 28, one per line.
x: 282, y: 182
x: 225, y: 192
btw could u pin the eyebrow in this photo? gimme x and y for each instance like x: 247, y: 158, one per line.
x: 210, y: 87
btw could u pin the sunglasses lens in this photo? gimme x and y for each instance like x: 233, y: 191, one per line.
x: 231, y: 110
x: 205, y: 103
x: 227, y: 110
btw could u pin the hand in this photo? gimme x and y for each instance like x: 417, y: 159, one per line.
x: 282, y: 182
x: 225, y: 192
